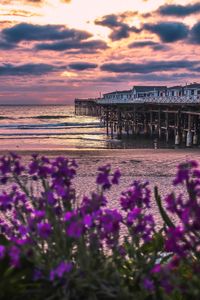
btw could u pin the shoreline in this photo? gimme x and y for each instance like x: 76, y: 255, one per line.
x: 103, y: 152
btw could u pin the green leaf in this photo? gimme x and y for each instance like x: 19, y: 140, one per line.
x: 162, y: 211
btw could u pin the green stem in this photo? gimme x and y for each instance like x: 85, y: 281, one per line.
x: 162, y: 211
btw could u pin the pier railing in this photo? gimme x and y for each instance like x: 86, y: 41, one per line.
x: 157, y: 100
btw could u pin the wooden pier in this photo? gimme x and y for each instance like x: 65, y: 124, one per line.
x: 171, y: 114
x: 180, y: 123
x: 87, y: 107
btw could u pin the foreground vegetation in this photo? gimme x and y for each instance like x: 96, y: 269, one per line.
x: 54, y: 246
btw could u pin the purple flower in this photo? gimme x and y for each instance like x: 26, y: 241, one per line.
x: 156, y: 269
x: 174, y: 241
x: 60, y: 270
x: 50, y: 198
x: 109, y: 226
x: 103, y: 177
x: 148, y: 284
x: 110, y: 221
x: 14, y: 254
x: 68, y: 216
x: 60, y: 190
x: 87, y: 220
x: 89, y: 206
x: 171, y: 203
x: 116, y: 177
x: 5, y: 165
x: 122, y: 251
x: 75, y: 229
x: 138, y: 195
x: 37, y: 275
x: 63, y: 267
x: 23, y: 230
x: 38, y: 214
x: 184, y: 171
x: 18, y: 169
x: 4, y: 180
x: 133, y: 215
x: 166, y: 285
x: 5, y: 202
x: 44, y: 229
x: 33, y: 167
x: 2, y: 251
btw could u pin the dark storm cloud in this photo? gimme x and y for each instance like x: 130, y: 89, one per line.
x: 168, y: 32
x: 81, y: 66
x: 195, y: 34
x: 27, y: 69
x: 30, y: 32
x: 149, y: 67
x: 179, y: 10
x: 147, y: 43
x: 93, y: 45
x: 119, y: 28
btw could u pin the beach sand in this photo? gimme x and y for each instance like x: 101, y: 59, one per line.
x: 156, y: 166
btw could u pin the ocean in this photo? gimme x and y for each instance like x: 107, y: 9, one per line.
x: 57, y: 128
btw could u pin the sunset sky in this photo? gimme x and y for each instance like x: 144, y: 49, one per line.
x: 52, y: 51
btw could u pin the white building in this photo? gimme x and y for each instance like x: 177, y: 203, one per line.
x: 192, y: 89
x: 162, y: 94
x: 148, y: 91
x: 118, y: 96
x: 175, y: 91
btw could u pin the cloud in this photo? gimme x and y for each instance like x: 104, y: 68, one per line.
x: 168, y: 32
x: 30, y: 32
x: 22, y: 1
x: 81, y: 66
x: 148, y: 43
x: 149, y: 67
x: 51, y: 37
x: 92, y: 45
x: 4, y: 45
x: 66, y: 1
x: 179, y: 10
x: 28, y: 69
x: 116, y: 23
x: 195, y: 34
x: 34, y: 1
x: 149, y: 77
x: 19, y: 13
x: 110, y: 21
x: 37, y: 69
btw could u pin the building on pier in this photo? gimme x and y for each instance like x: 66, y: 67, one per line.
x: 175, y: 91
x: 148, y: 91
x: 192, y: 89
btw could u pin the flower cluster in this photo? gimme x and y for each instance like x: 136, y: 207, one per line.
x: 67, y: 240
x: 183, y: 239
